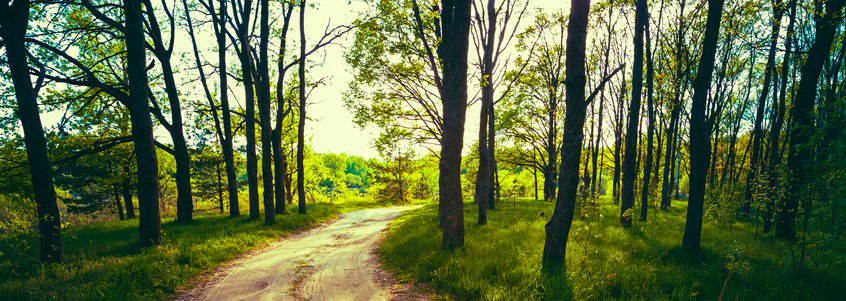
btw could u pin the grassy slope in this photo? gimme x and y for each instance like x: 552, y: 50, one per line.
x: 103, y: 260
x: 502, y: 259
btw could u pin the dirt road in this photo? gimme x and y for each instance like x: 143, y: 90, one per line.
x: 330, y: 262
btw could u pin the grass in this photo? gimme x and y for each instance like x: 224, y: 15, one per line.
x: 103, y: 261
x: 502, y: 260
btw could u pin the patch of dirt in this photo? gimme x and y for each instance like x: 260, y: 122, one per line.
x: 334, y: 261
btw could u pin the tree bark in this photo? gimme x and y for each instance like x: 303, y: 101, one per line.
x: 618, y: 142
x: 558, y: 227
x: 249, y: 94
x: 228, y: 152
x: 264, y: 115
x: 757, y: 132
x: 301, y: 126
x: 699, y: 137
x: 280, y: 162
x: 647, y: 167
x: 800, y: 152
x: 629, y: 162
x: 14, y: 19
x: 484, y: 179
x: 149, y: 224
x: 184, y: 200
x: 455, y: 24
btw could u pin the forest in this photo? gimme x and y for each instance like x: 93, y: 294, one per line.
x: 517, y: 149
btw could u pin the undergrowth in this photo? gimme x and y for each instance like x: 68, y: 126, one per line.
x: 502, y: 260
x: 104, y: 262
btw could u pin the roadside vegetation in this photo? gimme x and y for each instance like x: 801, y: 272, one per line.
x: 103, y: 260
x: 501, y: 260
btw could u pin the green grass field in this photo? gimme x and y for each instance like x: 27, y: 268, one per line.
x: 502, y: 260
x: 103, y: 261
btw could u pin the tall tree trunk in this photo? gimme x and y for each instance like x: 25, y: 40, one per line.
x: 629, y: 163
x: 799, y: 155
x: 669, y: 157
x: 264, y: 115
x: 455, y: 23
x: 549, y: 170
x: 699, y: 137
x: 618, y: 142
x: 225, y: 134
x: 184, y: 200
x: 484, y: 179
x: 774, y: 157
x: 596, y: 153
x: 14, y: 19
x: 301, y: 126
x: 558, y: 227
x: 757, y: 132
x: 249, y: 94
x: 647, y: 168
x: 280, y: 162
x: 149, y: 224
x: 228, y: 152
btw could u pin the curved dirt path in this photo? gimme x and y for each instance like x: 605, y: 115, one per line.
x: 331, y: 262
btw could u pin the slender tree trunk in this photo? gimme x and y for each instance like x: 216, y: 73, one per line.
x: 184, y: 200
x: 618, y: 142
x: 493, y: 193
x: 699, y: 137
x: 264, y: 115
x: 757, y: 133
x: 116, y: 196
x: 647, y: 168
x: 224, y: 134
x: 301, y: 125
x: 605, y: 65
x: 13, y: 26
x: 484, y: 179
x: 219, y: 187
x: 249, y: 94
x: 280, y: 162
x: 800, y: 153
x: 535, y: 175
x: 669, y: 158
x: 455, y: 23
x: 549, y: 170
x: 558, y: 227
x: 629, y: 163
x: 774, y: 157
x: 127, y: 194
x: 228, y: 153
x: 149, y: 224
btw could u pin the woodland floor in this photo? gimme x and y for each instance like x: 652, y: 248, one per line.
x: 502, y: 260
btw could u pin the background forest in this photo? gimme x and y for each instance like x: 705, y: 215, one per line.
x: 667, y: 126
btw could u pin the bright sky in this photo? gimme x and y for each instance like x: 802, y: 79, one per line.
x: 333, y: 129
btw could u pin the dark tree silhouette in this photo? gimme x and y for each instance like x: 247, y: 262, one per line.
x: 700, y: 143
x: 14, y: 19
